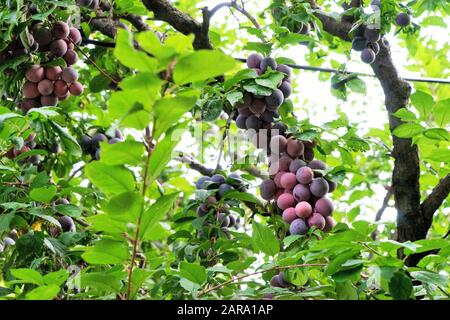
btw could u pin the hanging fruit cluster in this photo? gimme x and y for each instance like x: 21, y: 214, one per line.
x: 258, y: 112
x: 45, y: 84
x: 90, y: 145
x: 213, y: 206
x: 298, y: 183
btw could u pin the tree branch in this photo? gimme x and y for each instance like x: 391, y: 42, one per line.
x: 380, y: 212
x: 436, y: 198
x: 195, y: 165
x: 223, y: 284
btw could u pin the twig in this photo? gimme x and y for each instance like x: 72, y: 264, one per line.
x: 93, y: 63
x: 224, y: 136
x: 380, y: 212
x: 194, y: 165
x: 148, y: 146
x: 223, y: 284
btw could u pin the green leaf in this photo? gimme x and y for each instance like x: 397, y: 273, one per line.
x: 193, y: 272
x: 405, y: 115
x: 106, y: 251
x: 357, y: 85
x: 400, y: 286
x: 57, y: 278
x: 5, y: 220
x: 437, y: 134
x: 28, y: 276
x: 69, y: 143
x: 212, y: 109
x: 43, y: 194
x: 439, y: 155
x: 168, y: 111
x: 346, y: 291
x: 43, y: 293
x: 423, y: 102
x: 68, y: 210
x: 105, y: 281
x: 111, y: 180
x: 126, y: 152
x: 156, y: 213
x: 258, y: 90
x: 441, y: 112
x: 270, y: 79
x: 125, y: 206
x: 244, y: 196
x: 428, y: 277
x: 162, y: 153
x: 128, y: 56
x: 264, y: 240
x: 408, y: 130
x: 201, y: 65
x: 239, y: 76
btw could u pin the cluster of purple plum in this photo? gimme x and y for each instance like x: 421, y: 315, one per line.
x: 217, y: 186
x: 29, y: 144
x: 91, y: 145
x: 298, y: 185
x: 45, y: 86
x: 258, y: 112
x: 279, y: 281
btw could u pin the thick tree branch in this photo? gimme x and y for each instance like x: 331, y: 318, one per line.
x: 163, y: 10
x: 436, y: 198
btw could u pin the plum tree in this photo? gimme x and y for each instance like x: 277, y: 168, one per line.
x: 372, y: 35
